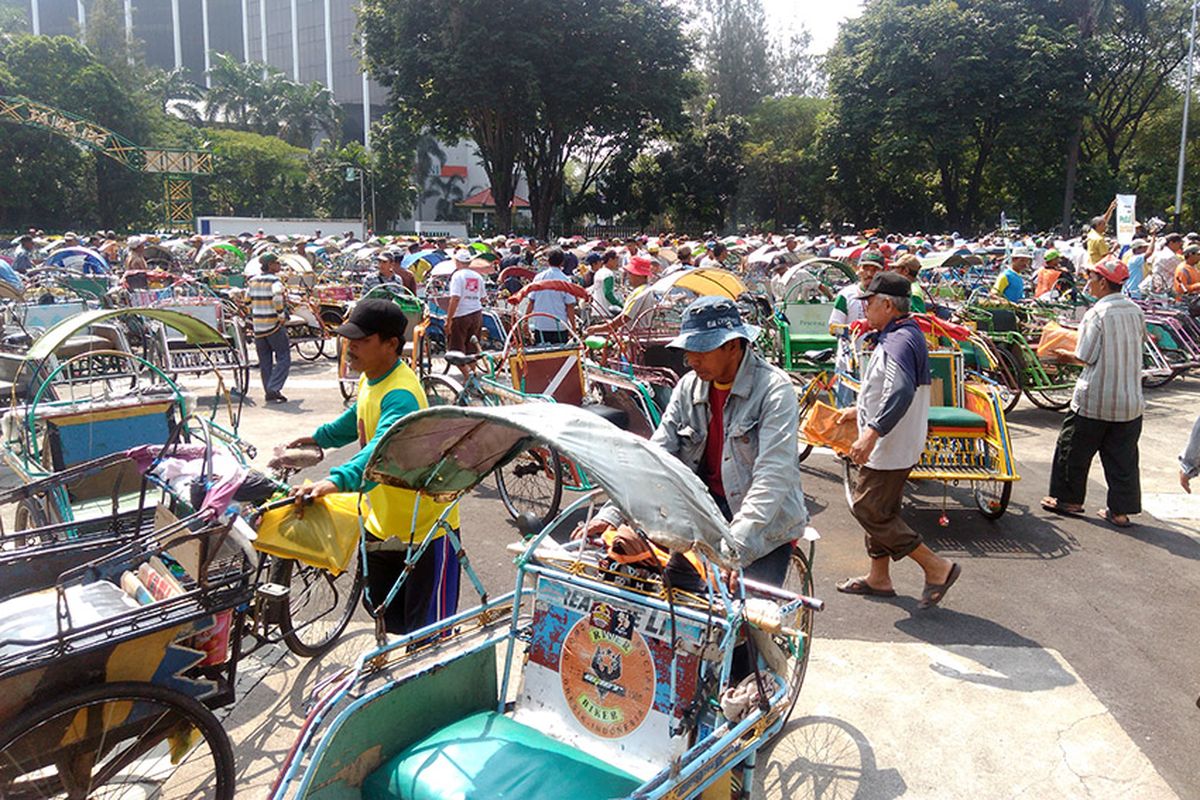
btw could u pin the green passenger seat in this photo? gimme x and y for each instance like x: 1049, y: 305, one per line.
x: 948, y: 418
x: 487, y: 756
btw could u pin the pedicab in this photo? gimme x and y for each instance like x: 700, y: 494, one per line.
x: 968, y: 440
x: 592, y: 678
x: 803, y: 310
x: 122, y: 630
x: 532, y: 485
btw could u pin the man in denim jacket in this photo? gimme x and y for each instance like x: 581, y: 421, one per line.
x: 747, y: 453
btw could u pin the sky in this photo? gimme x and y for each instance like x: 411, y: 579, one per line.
x: 820, y: 16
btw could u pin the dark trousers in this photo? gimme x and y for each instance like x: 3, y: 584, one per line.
x: 876, y: 496
x: 274, y: 359
x: 429, y: 593
x: 549, y: 337
x: 1117, y: 443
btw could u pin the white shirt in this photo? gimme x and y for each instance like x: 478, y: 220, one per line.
x: 552, y: 303
x: 467, y: 285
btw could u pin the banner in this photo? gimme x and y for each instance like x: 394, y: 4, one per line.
x: 1126, y: 217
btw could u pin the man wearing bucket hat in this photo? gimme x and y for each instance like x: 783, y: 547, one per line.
x: 388, y: 390
x: 734, y: 421
x: 1106, y: 407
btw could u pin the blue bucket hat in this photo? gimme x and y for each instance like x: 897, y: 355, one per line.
x: 710, y: 322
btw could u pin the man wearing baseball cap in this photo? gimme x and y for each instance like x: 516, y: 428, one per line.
x: 734, y: 421
x: 388, y: 390
x: 892, y: 411
x: 1010, y: 283
x: 464, y: 316
x: 1107, y: 404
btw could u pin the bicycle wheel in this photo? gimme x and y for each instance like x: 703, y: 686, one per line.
x: 1008, y: 375
x: 1062, y: 377
x: 311, y: 349
x: 532, y: 483
x: 318, y: 607
x: 347, y: 386
x: 804, y: 453
x: 991, y: 497
x: 117, y: 740
x: 798, y: 580
x: 442, y: 390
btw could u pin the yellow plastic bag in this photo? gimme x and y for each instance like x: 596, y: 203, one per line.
x: 1057, y: 344
x: 325, y: 537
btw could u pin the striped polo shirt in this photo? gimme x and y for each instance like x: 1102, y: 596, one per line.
x: 1111, y: 337
x: 266, y: 303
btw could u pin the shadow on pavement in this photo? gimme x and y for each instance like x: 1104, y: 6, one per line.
x: 1158, y: 535
x: 824, y: 758
x: 1012, y: 661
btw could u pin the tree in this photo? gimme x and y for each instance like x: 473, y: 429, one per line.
x: 795, y: 69
x: 783, y: 180
x: 737, y: 54
x: 176, y: 84
x: 305, y: 110
x: 459, y: 75
x: 595, y: 102
x: 387, y: 169
x: 255, y: 175
x: 943, y: 86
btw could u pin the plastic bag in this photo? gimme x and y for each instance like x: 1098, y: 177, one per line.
x: 1058, y: 344
x: 325, y: 537
x: 821, y: 426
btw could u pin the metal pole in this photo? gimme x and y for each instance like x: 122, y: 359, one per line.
x: 362, y: 201
x: 1187, y: 101
x: 328, y: 46
x: 374, y: 219
x: 177, y: 34
x: 35, y: 14
x: 262, y: 27
x: 245, y: 33
x: 81, y: 17
x: 295, y: 45
x: 207, y: 54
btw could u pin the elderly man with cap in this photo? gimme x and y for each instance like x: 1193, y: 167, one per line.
x: 1010, y: 283
x: 1163, y: 264
x: 633, y: 314
x: 1186, y: 284
x: 464, y: 316
x: 1107, y: 404
x: 388, y: 390
x: 135, y: 259
x: 734, y: 421
x: 269, y: 315
x: 893, y: 417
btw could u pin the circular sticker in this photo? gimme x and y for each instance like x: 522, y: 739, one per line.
x: 607, y: 673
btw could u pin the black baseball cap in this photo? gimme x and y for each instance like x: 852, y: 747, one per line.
x: 891, y: 284
x: 374, y: 316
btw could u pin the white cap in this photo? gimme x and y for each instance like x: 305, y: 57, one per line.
x: 463, y: 257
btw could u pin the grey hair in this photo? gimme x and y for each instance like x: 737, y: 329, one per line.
x: 902, y: 304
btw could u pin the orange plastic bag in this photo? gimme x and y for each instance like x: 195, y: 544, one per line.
x: 1058, y: 344
x: 821, y: 426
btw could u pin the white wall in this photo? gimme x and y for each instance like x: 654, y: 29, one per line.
x: 232, y: 226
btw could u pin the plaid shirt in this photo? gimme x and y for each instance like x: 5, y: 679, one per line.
x: 266, y: 304
x: 1111, y: 336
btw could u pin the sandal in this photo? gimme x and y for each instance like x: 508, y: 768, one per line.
x: 1111, y: 518
x: 860, y: 586
x: 1054, y: 505
x: 933, y: 593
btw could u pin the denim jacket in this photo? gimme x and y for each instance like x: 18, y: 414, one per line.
x: 760, y: 469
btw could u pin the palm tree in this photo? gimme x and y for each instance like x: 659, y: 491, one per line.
x: 449, y: 192
x: 233, y: 89
x: 306, y: 110
x: 176, y: 84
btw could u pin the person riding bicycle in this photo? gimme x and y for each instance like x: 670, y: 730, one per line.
x: 388, y: 390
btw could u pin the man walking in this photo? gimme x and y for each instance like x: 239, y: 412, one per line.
x: 893, y: 417
x: 269, y: 314
x: 1106, y: 408
x: 464, y: 315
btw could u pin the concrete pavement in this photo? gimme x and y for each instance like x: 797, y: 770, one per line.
x: 1061, y: 665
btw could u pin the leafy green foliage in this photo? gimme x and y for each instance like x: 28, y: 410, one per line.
x: 254, y: 175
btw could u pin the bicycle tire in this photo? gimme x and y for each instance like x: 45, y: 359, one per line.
x: 799, y: 579
x: 992, y: 509
x: 1009, y: 372
x: 534, y: 485
x: 29, y: 746
x: 310, y: 349
x: 442, y: 390
x: 314, y: 636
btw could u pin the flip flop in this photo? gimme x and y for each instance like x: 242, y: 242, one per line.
x: 934, y: 593
x: 1109, y: 517
x: 1054, y: 506
x: 860, y: 586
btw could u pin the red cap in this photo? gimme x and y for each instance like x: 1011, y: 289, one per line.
x: 640, y: 265
x: 1113, y: 269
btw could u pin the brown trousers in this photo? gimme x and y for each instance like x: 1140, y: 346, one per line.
x: 875, y: 498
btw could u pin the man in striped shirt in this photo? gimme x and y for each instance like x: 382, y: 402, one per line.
x: 1106, y: 409
x: 270, y: 315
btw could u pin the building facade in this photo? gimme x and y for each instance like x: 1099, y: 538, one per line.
x: 309, y: 40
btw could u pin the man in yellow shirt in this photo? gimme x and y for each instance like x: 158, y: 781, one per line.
x: 388, y: 390
x: 1098, y: 247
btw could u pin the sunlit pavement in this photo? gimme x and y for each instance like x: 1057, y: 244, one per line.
x: 1062, y: 665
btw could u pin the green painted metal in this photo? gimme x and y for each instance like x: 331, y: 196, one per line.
x: 197, y: 332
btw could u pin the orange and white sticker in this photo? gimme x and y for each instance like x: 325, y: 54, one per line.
x: 607, y: 673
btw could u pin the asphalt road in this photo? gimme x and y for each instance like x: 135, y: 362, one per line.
x: 1062, y: 664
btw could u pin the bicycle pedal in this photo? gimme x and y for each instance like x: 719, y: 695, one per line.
x: 272, y: 592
